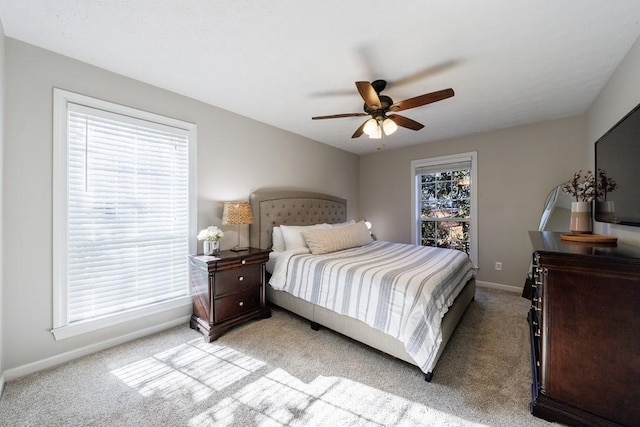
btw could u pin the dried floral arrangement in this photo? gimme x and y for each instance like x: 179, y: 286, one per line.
x: 583, y: 191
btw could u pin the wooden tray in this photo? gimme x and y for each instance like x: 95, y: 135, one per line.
x: 588, y: 238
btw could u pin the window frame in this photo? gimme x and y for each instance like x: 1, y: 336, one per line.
x: 471, y: 156
x: 61, y: 98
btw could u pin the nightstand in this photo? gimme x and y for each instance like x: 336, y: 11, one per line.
x: 227, y: 290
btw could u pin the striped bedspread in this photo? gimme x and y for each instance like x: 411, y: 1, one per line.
x: 402, y: 290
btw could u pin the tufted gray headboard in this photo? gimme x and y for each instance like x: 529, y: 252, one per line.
x: 271, y: 208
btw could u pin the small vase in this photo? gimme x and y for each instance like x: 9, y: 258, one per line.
x: 581, y: 218
x: 211, y: 247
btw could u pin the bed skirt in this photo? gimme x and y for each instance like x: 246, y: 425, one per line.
x: 366, y: 334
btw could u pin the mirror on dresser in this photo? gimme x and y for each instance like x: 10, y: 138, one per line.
x: 556, y: 215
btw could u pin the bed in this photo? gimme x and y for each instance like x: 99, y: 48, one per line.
x: 288, y: 209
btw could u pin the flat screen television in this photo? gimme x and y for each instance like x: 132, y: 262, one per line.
x: 618, y: 159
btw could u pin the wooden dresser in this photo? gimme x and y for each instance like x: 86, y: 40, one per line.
x: 585, y: 332
x: 227, y: 291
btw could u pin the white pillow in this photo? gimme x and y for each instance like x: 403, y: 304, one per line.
x: 292, y: 235
x: 342, y: 224
x: 336, y: 239
x: 277, y: 240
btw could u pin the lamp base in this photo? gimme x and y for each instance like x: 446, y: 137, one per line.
x: 239, y: 249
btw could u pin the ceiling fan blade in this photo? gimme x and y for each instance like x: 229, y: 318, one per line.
x: 405, y: 122
x: 421, y: 100
x: 359, y: 131
x: 339, y: 116
x: 368, y: 93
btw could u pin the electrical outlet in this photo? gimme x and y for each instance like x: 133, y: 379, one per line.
x: 498, y: 266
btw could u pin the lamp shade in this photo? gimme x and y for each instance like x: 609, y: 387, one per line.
x: 389, y: 126
x: 235, y: 213
x: 371, y: 127
x: 377, y: 134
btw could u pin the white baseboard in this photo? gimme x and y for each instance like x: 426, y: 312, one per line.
x: 499, y: 286
x: 30, y: 368
x: 1, y: 383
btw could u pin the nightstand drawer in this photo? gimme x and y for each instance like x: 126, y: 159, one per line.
x: 233, y: 280
x: 237, y: 303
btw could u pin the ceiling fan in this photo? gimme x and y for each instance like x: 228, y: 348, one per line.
x: 377, y: 106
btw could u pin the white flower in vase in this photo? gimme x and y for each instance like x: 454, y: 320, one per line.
x: 211, y: 237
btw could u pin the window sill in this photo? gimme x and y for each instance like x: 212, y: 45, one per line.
x: 84, y: 327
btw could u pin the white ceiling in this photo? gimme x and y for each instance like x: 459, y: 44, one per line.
x: 283, y: 61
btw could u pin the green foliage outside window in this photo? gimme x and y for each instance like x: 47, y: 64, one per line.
x: 445, y: 202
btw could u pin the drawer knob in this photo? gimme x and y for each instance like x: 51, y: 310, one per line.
x: 241, y: 278
x: 244, y: 261
x: 241, y: 303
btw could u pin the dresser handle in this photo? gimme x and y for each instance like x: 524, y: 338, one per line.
x: 244, y: 261
x: 241, y: 303
x: 241, y: 278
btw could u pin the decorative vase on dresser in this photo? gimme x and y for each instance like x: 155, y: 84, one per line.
x: 227, y: 290
x: 211, y: 247
x: 585, y: 332
x: 581, y: 217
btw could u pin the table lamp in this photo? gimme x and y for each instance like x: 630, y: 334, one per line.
x: 237, y: 213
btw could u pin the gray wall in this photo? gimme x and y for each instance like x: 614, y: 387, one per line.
x: 236, y: 155
x: 517, y: 167
x: 615, y: 100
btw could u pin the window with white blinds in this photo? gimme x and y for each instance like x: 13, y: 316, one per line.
x: 123, y: 210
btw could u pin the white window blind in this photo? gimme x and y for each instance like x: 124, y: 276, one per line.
x: 127, y: 215
x: 442, y: 167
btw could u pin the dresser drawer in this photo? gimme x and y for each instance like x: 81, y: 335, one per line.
x: 237, y: 303
x: 229, y: 281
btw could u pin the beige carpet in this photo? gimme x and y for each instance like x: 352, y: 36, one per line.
x: 279, y: 372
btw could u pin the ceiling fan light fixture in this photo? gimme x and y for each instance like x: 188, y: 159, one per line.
x: 377, y: 134
x: 389, y: 126
x: 377, y: 106
x: 371, y: 127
